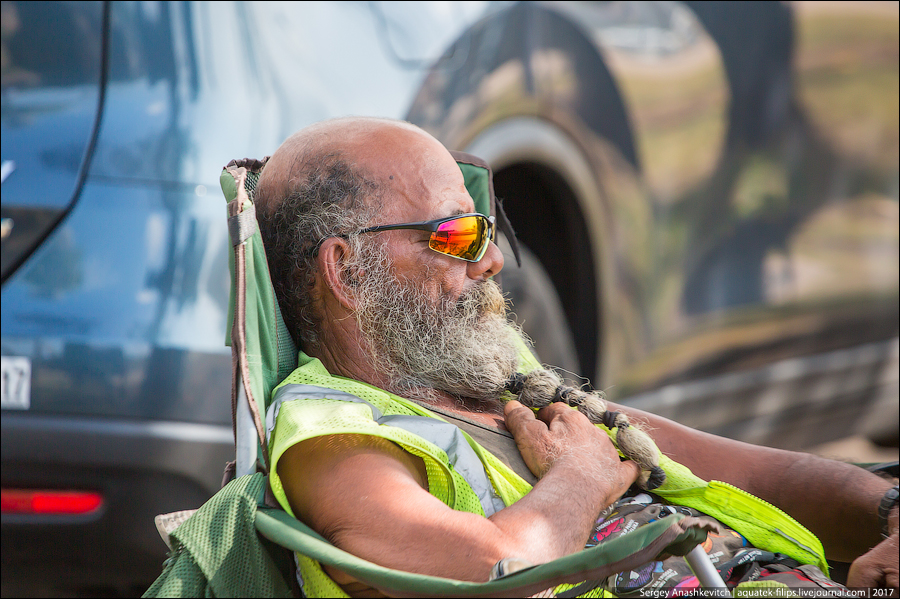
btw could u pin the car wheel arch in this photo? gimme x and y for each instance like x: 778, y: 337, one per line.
x: 536, y: 161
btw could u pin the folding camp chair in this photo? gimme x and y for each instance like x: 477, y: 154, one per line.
x: 237, y: 545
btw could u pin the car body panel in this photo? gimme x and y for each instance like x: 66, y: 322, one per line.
x: 711, y: 188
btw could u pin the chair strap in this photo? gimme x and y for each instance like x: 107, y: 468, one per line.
x: 240, y: 207
x: 242, y: 226
x: 495, y: 205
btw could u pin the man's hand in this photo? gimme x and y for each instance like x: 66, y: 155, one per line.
x: 559, y: 435
x: 878, y: 567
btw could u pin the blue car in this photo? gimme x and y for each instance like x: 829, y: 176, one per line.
x: 706, y: 193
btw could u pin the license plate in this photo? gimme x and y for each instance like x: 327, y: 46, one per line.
x: 16, y: 383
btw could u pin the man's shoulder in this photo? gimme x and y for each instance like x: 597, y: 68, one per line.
x: 311, y: 381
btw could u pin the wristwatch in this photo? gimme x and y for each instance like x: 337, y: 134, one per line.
x: 890, y: 499
x: 507, y: 566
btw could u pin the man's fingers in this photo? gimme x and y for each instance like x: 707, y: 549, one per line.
x: 635, y: 470
x: 862, y: 574
x: 511, y: 405
x: 556, y: 414
x: 517, y: 416
x: 876, y: 568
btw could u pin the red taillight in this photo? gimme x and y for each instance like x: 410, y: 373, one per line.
x: 49, y: 502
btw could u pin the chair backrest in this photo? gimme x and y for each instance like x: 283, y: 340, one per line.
x: 263, y: 353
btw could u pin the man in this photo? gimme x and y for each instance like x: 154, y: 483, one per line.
x: 365, y: 224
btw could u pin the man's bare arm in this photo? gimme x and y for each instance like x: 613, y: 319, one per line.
x: 370, y: 498
x: 837, y: 501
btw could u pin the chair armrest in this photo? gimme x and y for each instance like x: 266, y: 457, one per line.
x: 676, y: 534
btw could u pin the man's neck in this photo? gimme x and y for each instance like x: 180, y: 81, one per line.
x: 340, y: 362
x: 343, y: 352
x: 487, y: 413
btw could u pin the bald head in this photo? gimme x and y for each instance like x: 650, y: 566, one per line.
x: 369, y: 146
x: 333, y: 178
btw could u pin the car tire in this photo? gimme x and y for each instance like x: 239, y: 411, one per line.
x: 536, y: 307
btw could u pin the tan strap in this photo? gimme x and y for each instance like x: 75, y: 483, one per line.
x: 236, y: 207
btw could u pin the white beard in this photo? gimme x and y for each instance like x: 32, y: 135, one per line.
x: 465, y: 347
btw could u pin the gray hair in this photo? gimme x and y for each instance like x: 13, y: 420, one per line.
x: 330, y: 198
x: 541, y: 387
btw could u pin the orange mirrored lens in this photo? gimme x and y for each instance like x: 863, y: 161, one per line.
x: 464, y: 237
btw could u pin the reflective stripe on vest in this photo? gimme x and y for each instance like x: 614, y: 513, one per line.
x: 444, y: 435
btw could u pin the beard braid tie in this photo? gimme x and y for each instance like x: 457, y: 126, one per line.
x: 541, y: 387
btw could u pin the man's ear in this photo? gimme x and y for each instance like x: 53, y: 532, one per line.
x: 336, y: 272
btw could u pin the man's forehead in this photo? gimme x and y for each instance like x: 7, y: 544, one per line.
x: 427, y: 198
x: 414, y: 170
x: 421, y: 177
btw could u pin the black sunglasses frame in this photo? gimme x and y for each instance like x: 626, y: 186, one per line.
x: 432, y: 226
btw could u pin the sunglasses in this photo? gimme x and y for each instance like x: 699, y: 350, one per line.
x: 465, y: 236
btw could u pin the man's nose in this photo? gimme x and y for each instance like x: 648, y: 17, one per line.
x: 489, y: 265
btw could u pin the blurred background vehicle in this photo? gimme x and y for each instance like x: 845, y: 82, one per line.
x: 708, y: 195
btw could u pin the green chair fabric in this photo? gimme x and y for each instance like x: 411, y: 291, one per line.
x: 217, y: 552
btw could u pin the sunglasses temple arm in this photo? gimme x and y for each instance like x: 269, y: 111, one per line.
x: 426, y: 226
x: 507, y: 229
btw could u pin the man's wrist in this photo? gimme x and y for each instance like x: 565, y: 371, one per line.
x: 888, y: 512
x: 509, y: 565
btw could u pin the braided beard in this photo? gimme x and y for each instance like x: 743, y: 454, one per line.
x: 464, y: 347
